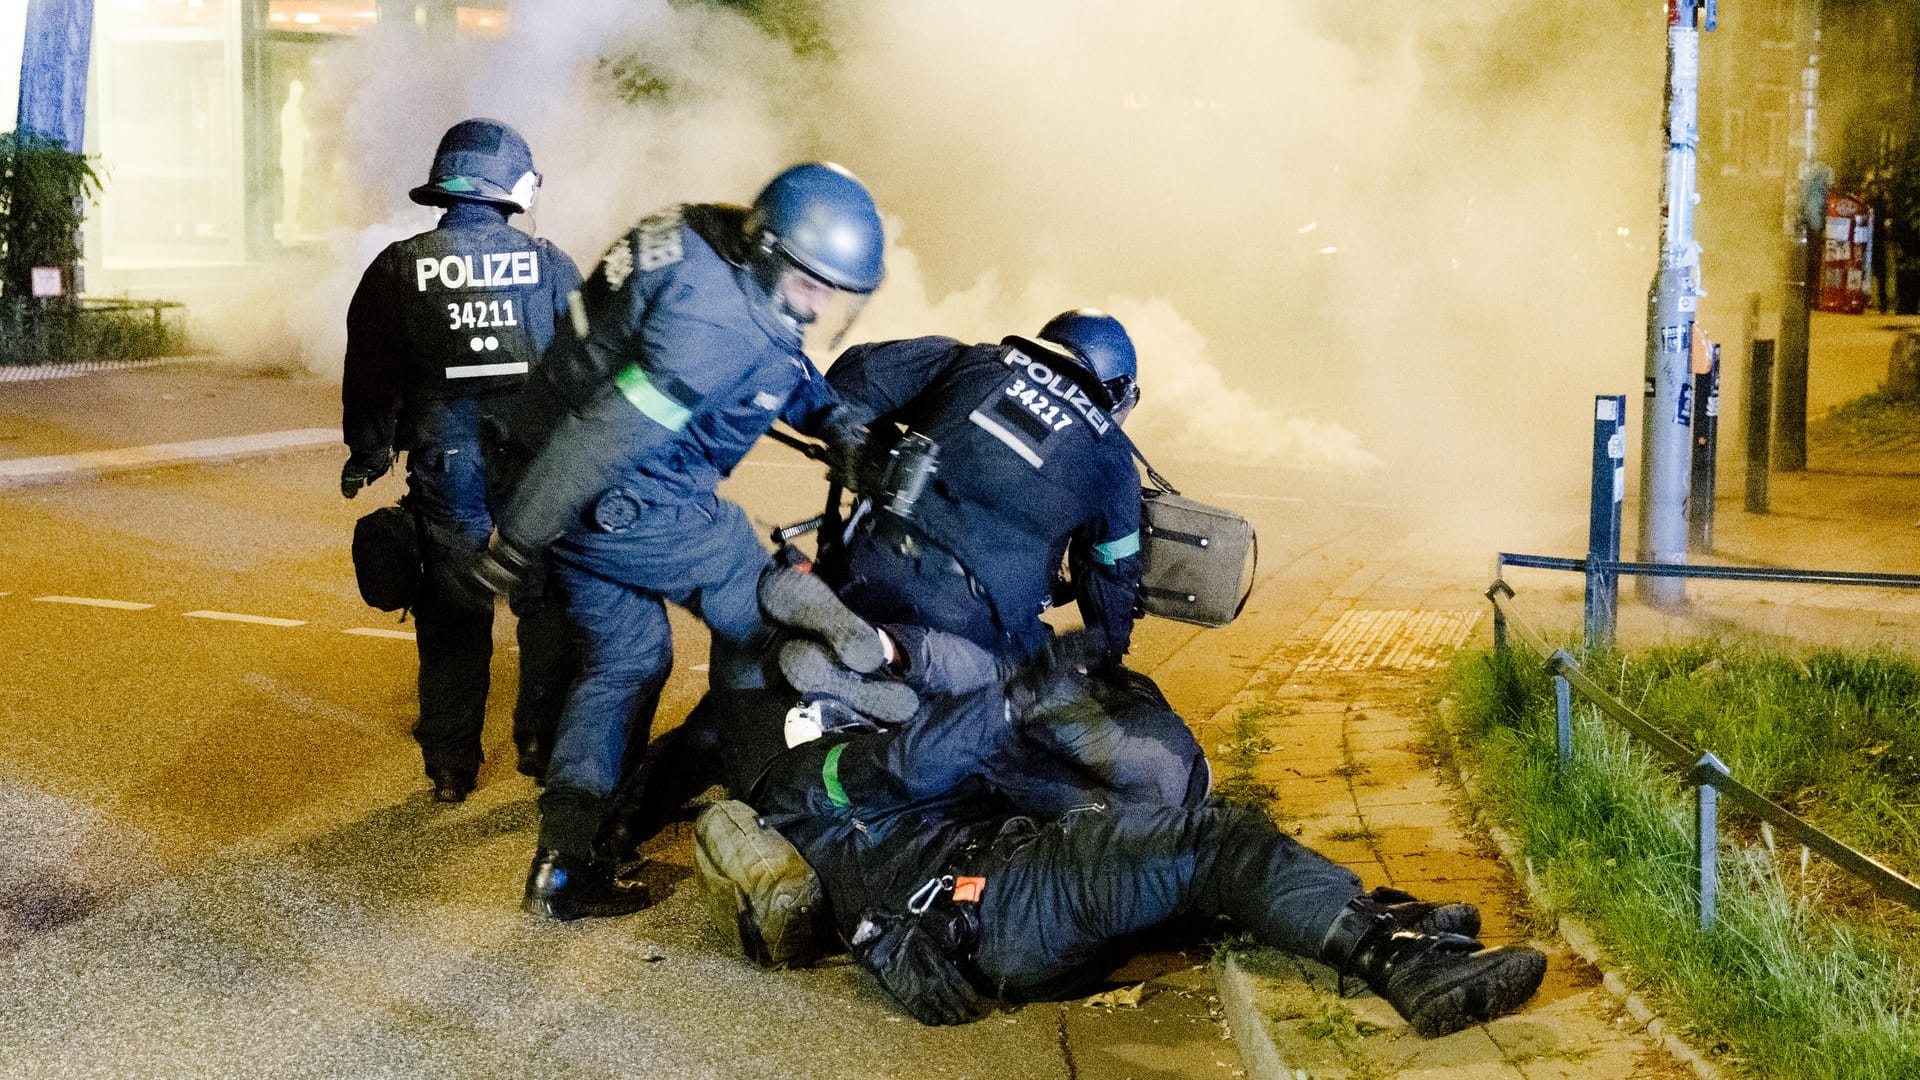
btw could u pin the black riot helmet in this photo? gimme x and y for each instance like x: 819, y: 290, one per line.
x: 483, y: 161
x: 1102, y: 346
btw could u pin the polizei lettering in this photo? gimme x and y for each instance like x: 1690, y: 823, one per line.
x: 487, y: 271
x: 1061, y: 387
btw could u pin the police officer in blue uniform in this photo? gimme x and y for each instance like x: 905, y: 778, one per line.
x: 684, y: 346
x: 441, y: 332
x: 1032, y: 465
x: 951, y: 890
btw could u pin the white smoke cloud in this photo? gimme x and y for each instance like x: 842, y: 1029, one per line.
x: 1339, y: 235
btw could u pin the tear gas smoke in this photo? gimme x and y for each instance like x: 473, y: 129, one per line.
x: 1463, y: 287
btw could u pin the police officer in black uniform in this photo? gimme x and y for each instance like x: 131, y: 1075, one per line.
x: 443, y: 329
x: 1032, y: 465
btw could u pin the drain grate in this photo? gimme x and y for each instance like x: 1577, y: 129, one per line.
x: 1403, y: 640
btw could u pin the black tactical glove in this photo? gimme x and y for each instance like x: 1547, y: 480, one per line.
x: 363, y: 468
x: 910, y: 966
x: 846, y: 451
x: 498, y: 571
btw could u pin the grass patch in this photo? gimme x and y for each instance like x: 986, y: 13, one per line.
x: 1874, y: 418
x: 1807, y: 975
x: 1238, y: 754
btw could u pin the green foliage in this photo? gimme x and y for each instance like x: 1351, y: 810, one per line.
x: 1802, y: 976
x: 43, y: 191
x: 30, y: 334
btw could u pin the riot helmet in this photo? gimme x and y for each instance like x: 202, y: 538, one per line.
x: 817, y: 248
x: 1102, y: 346
x: 483, y: 161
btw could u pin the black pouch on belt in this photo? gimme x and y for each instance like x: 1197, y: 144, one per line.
x: 386, y: 558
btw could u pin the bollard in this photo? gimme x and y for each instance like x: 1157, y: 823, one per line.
x: 1707, y: 834
x: 1603, y: 518
x: 1759, y: 421
x: 1706, y: 449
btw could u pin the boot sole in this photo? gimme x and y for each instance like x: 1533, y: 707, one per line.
x: 804, y: 601
x: 810, y: 670
x: 1489, y: 984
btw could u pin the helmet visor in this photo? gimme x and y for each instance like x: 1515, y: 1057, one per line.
x: 823, y: 313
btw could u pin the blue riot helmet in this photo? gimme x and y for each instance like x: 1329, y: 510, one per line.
x: 1101, y: 344
x: 484, y: 161
x: 816, y: 218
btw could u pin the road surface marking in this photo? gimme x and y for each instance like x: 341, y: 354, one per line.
x: 366, y: 631
x: 88, y: 601
x: 1406, y: 640
x: 1259, y: 498
x: 39, y: 470
x: 698, y: 667
x: 228, y: 616
x: 808, y: 465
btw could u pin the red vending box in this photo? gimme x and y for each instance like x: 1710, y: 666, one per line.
x: 1845, y: 255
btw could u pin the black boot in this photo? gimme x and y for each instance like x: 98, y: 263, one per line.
x: 1426, y: 917
x: 1439, y: 982
x: 531, y: 759
x: 566, y: 887
x: 450, y: 785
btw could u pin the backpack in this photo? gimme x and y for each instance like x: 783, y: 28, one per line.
x: 761, y: 895
x: 386, y: 558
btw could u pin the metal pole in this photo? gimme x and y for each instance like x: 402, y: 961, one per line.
x: 1706, y: 449
x: 1671, y: 305
x: 1805, y: 221
x: 1603, y: 517
x: 1563, y: 722
x: 1707, y: 835
x: 1759, y: 412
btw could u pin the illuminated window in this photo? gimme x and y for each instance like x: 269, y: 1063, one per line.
x: 321, y: 16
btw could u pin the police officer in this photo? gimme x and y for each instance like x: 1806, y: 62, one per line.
x: 684, y: 346
x: 1031, y: 465
x: 441, y: 332
x: 949, y: 891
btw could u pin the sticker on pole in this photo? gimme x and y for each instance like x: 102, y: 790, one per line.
x: 46, y: 282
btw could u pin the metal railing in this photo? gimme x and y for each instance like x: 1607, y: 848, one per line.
x: 1706, y: 772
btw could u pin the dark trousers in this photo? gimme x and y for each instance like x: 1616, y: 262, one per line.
x: 450, y: 488
x: 704, y: 556
x: 1059, y: 897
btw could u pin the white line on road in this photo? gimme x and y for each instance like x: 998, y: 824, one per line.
x: 228, y: 616
x: 698, y: 667
x: 784, y: 464
x: 39, y: 470
x: 1260, y: 498
x: 88, y: 601
x: 367, y: 631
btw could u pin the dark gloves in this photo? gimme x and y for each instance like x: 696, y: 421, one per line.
x: 846, y: 450
x: 364, y: 468
x: 910, y: 966
x: 498, y: 571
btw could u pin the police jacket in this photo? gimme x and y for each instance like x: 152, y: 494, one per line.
x: 1029, y: 466
x: 457, y: 314
x: 672, y: 365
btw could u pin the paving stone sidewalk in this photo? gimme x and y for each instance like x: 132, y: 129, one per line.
x: 1344, y: 702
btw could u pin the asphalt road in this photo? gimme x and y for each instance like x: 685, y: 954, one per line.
x: 217, y: 857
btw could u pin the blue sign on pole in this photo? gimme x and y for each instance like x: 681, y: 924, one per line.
x: 53, y: 70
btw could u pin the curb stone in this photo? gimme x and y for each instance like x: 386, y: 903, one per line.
x: 1577, y: 934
